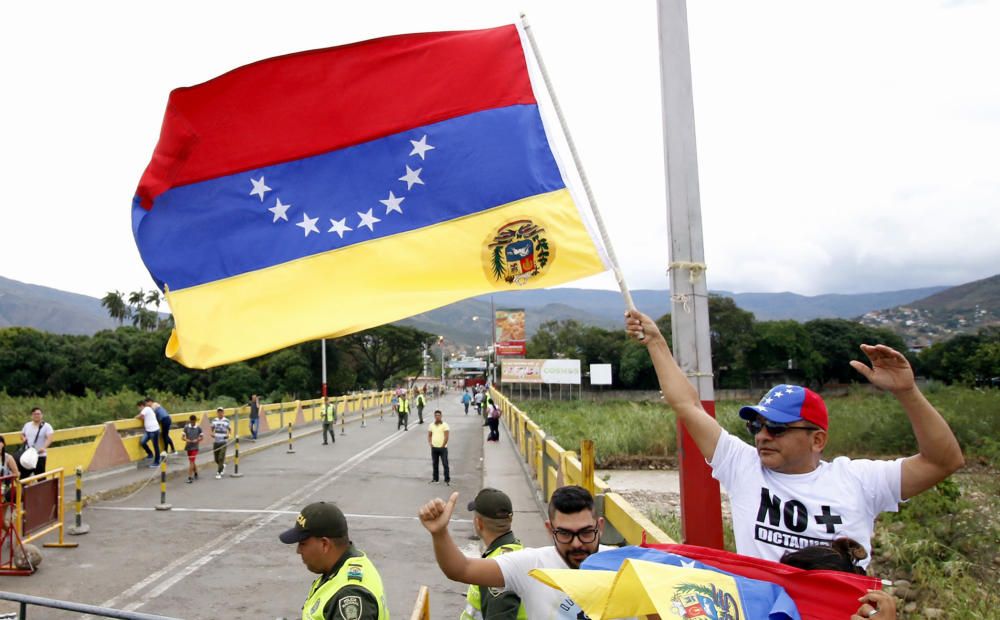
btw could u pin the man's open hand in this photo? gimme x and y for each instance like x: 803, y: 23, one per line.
x: 435, y: 514
x: 890, y: 370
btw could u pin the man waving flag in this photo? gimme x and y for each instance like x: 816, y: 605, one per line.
x: 326, y: 192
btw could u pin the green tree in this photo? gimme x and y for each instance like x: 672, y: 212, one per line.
x: 238, y: 381
x: 383, y: 352
x: 838, y: 341
x: 731, y: 334
x: 779, y: 345
x: 114, y: 303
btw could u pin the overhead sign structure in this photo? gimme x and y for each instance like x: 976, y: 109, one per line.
x: 510, y: 332
x: 600, y: 374
x: 467, y: 363
x: 565, y: 372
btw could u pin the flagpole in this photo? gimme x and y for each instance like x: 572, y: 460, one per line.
x: 579, y: 167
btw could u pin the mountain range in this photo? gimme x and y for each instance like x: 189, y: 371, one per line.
x: 466, y: 323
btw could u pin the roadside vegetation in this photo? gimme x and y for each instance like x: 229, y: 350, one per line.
x: 942, y: 548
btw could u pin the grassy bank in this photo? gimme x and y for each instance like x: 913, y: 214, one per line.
x: 69, y: 411
x: 861, y: 424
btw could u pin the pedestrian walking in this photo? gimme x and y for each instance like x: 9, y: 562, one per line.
x: 493, y: 419
x: 437, y: 437
x: 403, y: 408
x: 151, y: 428
x: 254, y: 405
x: 466, y: 400
x: 329, y: 419
x: 220, y: 439
x: 36, y: 433
x: 421, y: 403
x: 192, y: 441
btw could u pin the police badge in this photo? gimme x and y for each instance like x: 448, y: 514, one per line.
x: 350, y: 607
x: 517, y: 252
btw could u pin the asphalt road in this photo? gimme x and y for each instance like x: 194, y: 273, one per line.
x: 216, y: 553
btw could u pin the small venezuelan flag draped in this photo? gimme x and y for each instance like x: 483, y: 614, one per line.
x: 330, y: 191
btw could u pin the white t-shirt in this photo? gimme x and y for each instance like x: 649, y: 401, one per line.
x: 774, y: 513
x: 149, y: 421
x: 540, y: 601
x: 31, y: 429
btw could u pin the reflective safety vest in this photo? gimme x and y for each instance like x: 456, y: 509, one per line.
x: 404, y: 404
x: 420, y: 400
x: 330, y: 412
x: 357, y: 571
x: 473, y: 602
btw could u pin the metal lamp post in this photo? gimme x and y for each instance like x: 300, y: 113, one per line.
x: 441, y: 345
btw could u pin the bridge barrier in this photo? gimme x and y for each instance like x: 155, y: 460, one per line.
x: 116, y: 443
x: 552, y: 466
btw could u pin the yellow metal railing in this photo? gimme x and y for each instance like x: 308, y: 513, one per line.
x: 553, y: 466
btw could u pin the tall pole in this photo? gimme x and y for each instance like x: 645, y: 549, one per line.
x: 441, y: 345
x: 701, y: 512
x: 493, y: 342
x: 323, y: 356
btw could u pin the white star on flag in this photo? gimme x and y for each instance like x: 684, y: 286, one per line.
x: 259, y: 189
x: 279, y: 210
x: 412, y: 177
x: 339, y: 226
x: 420, y: 147
x: 392, y: 203
x: 367, y: 219
x: 308, y: 224
x: 689, y: 564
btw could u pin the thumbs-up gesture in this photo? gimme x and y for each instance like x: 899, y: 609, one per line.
x: 435, y: 514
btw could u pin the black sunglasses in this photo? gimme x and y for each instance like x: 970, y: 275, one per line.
x: 586, y: 535
x: 774, y: 429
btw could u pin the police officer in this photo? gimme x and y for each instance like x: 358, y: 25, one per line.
x: 421, y: 403
x: 348, y: 586
x: 329, y: 418
x: 492, y: 520
x: 403, y: 408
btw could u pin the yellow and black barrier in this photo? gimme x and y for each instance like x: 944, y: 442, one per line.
x: 290, y: 450
x: 79, y: 527
x: 163, y: 505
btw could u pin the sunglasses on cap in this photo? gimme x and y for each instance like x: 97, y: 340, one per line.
x: 775, y: 429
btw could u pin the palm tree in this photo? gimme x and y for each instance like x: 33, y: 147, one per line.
x: 153, y: 297
x: 114, y: 303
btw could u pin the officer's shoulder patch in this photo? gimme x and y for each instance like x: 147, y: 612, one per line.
x: 349, y: 607
x: 354, y: 572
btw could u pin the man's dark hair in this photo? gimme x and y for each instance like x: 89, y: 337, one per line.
x: 192, y: 418
x: 570, y: 500
x: 843, y: 554
x: 34, y: 409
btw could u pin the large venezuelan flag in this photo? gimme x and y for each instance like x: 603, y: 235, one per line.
x: 326, y: 192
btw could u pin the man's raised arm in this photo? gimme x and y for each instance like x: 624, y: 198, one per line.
x: 939, y: 454
x: 434, y: 515
x: 676, y: 387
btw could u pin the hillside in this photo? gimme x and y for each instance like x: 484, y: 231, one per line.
x: 49, y: 309
x: 962, y: 309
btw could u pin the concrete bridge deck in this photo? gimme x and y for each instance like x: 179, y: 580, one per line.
x: 216, y: 553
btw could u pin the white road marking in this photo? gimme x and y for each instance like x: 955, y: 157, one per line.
x: 168, y: 576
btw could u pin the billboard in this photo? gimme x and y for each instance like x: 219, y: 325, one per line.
x: 540, y: 371
x: 509, y: 332
x: 600, y: 374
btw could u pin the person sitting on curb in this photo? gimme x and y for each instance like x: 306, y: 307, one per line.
x: 784, y: 496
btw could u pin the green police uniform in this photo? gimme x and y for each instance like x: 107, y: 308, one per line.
x: 482, y: 603
x: 403, y: 408
x: 421, y: 403
x: 352, y: 590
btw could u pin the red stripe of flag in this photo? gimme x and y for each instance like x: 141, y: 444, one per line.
x: 267, y: 112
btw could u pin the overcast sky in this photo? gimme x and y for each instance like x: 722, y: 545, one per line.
x: 844, y: 146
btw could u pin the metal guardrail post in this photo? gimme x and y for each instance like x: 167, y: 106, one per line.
x: 163, y: 505
x: 587, y: 465
x: 236, y: 455
x: 291, y: 450
x: 79, y: 527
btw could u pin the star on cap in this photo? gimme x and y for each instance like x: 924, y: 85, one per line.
x: 420, y: 147
x: 367, y: 219
x: 279, y: 210
x: 768, y: 401
x: 412, y: 177
x: 778, y: 394
x: 339, y: 226
x: 259, y: 189
x: 308, y: 224
x: 392, y: 204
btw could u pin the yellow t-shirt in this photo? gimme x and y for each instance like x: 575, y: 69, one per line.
x: 437, y: 434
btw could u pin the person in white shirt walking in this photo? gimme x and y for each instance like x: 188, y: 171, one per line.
x: 220, y: 439
x: 37, y: 434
